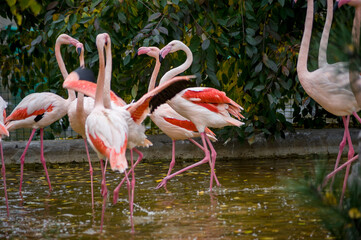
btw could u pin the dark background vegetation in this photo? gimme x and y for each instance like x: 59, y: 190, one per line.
x: 248, y: 49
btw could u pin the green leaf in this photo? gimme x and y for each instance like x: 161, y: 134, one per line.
x: 176, y: 2
x: 94, y: 4
x: 121, y: 17
x: 50, y: 32
x: 269, y: 63
x: 36, y: 40
x: 174, y: 16
x: 87, y: 47
x: 134, y: 91
x: 70, y: 3
x: 205, y: 44
x: 282, y: 2
x: 213, y: 77
x: 250, y: 31
x: 259, y: 88
x: 270, y: 98
x: 126, y: 60
x: 258, y: 68
x: 154, y: 16
x: 163, y: 30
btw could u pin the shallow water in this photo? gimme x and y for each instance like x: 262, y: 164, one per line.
x: 252, y: 203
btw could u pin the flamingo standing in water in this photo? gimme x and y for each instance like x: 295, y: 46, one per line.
x: 329, y: 86
x: 322, y: 62
x: 106, y: 129
x: 204, y: 106
x: 166, y: 118
x: 39, y: 110
x: 3, y: 131
x: 107, y: 126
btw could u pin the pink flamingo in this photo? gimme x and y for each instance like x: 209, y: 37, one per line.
x: 205, y: 107
x: 322, y: 61
x: 106, y: 129
x: 134, y: 113
x: 167, y: 119
x: 329, y: 87
x: 3, y: 131
x: 39, y: 110
x: 78, y: 111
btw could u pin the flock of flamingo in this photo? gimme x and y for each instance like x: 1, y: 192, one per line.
x: 110, y: 125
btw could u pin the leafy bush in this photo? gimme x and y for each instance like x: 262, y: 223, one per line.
x: 246, y: 48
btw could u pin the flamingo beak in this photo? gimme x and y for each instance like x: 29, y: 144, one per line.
x: 164, y: 52
x: 78, y: 50
x: 142, y: 50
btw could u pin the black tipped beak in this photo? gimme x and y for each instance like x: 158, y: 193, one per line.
x: 293, y: 3
x: 160, y: 58
x: 335, y: 7
x: 78, y: 50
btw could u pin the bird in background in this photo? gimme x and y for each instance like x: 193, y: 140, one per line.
x: 204, y: 106
x: 3, y: 131
x: 39, y: 110
x: 78, y: 111
x: 167, y: 119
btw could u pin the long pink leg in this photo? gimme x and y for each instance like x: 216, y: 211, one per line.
x: 341, y: 167
x: 200, y: 146
x: 104, y: 191
x: 116, y: 190
x: 42, y: 159
x: 204, y: 160
x: 213, y: 163
x: 342, y: 146
x: 132, y: 186
x: 172, y: 162
x: 3, y: 170
x: 351, y: 152
x: 22, y: 159
x: 90, y: 171
x: 350, y: 155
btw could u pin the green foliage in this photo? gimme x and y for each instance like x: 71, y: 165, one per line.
x: 246, y: 48
x: 343, y: 222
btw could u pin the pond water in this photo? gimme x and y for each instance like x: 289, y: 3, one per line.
x: 252, y: 203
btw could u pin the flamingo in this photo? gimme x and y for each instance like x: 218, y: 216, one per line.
x: 322, y: 62
x: 39, y: 110
x: 107, y: 126
x: 204, y: 106
x: 166, y: 118
x: 3, y: 131
x: 328, y: 87
x: 78, y: 111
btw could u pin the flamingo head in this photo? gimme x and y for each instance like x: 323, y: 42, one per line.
x: 66, y: 39
x: 79, y: 48
x: 171, y: 47
x: 150, y: 51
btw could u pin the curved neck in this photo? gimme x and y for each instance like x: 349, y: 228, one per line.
x: 305, y: 43
x: 322, y: 53
x: 356, y: 27
x: 175, y: 71
x: 64, y: 72
x: 108, y: 76
x: 153, y: 79
x: 100, y: 80
x: 80, y: 99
